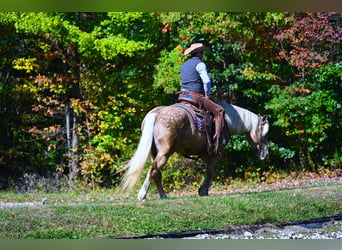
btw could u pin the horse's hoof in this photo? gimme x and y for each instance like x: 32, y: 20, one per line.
x: 141, y: 197
x: 163, y: 196
x: 202, y: 193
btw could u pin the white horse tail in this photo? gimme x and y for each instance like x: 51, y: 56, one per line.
x: 136, y: 164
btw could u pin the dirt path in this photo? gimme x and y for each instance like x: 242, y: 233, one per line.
x: 284, y: 184
x: 21, y: 204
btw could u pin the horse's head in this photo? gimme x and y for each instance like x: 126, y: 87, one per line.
x: 259, y: 141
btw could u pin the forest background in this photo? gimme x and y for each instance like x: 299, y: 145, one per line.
x: 74, y: 88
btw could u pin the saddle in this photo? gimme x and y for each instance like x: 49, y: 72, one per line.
x: 200, y: 118
x: 212, y: 116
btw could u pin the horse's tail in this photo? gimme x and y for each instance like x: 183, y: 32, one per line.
x: 136, y: 164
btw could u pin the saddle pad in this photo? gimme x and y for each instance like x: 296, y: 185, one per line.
x: 198, y: 120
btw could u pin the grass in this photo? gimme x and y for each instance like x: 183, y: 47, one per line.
x: 109, y: 214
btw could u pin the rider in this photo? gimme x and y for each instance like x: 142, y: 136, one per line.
x: 196, y: 86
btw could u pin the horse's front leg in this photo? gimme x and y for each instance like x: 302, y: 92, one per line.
x: 211, y: 163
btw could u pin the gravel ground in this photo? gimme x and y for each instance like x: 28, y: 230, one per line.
x: 330, y: 230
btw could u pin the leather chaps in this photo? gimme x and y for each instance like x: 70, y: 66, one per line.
x: 214, y: 109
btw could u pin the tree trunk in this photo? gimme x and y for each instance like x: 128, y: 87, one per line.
x: 72, y: 118
x: 72, y: 144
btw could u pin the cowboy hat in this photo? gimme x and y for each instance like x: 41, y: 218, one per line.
x: 195, y: 47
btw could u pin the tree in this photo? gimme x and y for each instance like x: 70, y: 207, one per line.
x: 306, y: 106
x: 57, y: 62
x: 311, y: 40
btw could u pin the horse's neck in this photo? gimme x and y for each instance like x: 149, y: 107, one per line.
x: 240, y: 120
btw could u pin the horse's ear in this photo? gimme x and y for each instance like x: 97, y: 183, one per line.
x: 264, y: 119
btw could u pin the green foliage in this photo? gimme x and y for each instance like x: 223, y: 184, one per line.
x: 105, y: 71
x: 167, y: 74
x: 112, y: 46
x: 25, y: 64
x: 59, y: 60
x: 182, y: 173
x: 305, y: 113
x: 302, y: 112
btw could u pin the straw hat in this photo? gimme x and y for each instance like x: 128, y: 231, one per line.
x: 195, y: 47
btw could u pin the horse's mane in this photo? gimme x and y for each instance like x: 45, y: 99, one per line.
x: 239, y: 120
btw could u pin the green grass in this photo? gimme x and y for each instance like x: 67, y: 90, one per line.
x: 108, y: 214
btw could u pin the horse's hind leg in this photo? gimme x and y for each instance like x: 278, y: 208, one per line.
x: 144, y: 188
x: 155, y: 174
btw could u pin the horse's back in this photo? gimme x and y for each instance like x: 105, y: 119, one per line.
x: 174, y: 131
x: 171, y: 120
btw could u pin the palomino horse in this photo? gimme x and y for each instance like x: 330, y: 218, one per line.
x: 170, y: 129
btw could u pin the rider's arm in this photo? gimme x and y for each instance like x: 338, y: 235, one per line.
x: 202, y: 70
